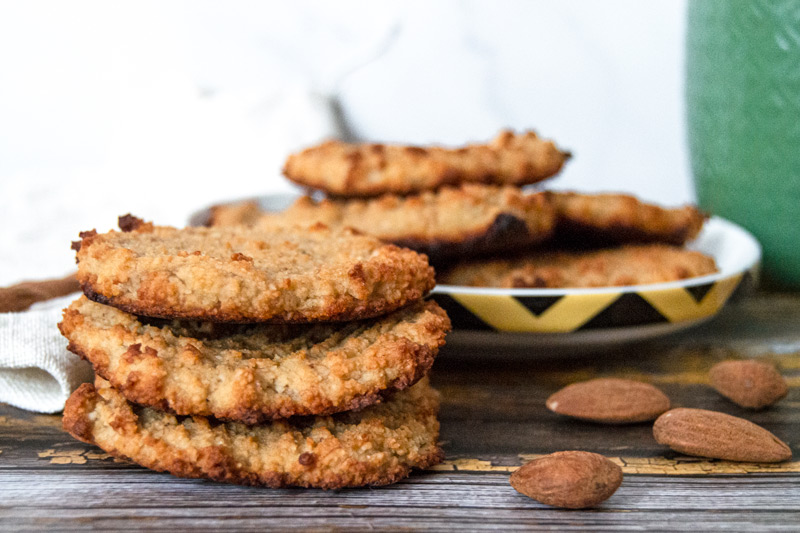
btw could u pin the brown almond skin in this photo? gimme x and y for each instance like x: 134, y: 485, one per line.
x: 718, y: 436
x: 573, y: 480
x: 751, y: 384
x: 610, y: 401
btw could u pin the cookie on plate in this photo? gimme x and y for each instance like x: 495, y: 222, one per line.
x: 236, y: 275
x: 469, y: 220
x: 345, y: 169
x: 375, y: 446
x: 586, y: 220
x: 242, y: 213
x: 627, y: 265
x: 253, y: 373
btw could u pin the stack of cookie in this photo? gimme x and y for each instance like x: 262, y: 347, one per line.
x: 295, y: 357
x: 467, y: 210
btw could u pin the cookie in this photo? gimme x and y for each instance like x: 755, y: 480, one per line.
x: 585, y: 220
x: 253, y: 373
x: 470, y: 220
x: 345, y: 169
x: 376, y: 446
x: 244, y: 213
x: 237, y: 275
x: 628, y: 265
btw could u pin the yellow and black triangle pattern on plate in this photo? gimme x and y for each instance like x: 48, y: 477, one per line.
x: 586, y: 310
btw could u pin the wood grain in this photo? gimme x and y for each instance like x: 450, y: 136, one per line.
x: 142, y: 500
x: 493, y: 420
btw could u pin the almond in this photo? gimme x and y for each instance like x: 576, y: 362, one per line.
x: 574, y: 480
x: 752, y: 384
x: 609, y: 401
x: 718, y: 436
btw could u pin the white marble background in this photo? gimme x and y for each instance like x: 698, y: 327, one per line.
x: 160, y: 108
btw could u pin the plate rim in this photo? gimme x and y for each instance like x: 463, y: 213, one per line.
x: 751, y: 262
x: 596, y: 339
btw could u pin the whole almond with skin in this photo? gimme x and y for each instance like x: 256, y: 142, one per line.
x: 609, y: 401
x: 574, y: 480
x: 718, y: 436
x: 752, y: 384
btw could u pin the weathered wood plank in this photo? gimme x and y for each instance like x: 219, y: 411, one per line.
x: 138, y: 499
x: 550, y: 521
x: 139, y: 489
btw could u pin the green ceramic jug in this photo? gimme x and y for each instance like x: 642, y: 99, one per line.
x: 743, y: 106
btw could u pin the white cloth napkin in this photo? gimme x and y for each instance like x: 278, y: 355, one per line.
x: 37, y: 372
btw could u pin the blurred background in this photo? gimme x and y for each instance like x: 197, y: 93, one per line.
x: 161, y: 108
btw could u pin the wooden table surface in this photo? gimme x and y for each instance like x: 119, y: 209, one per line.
x: 493, y: 419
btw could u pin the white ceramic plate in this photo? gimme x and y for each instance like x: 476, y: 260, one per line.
x: 594, y: 317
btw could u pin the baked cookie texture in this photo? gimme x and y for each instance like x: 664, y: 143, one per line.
x: 245, y: 275
x: 255, y: 373
x: 345, y: 169
x: 244, y: 213
x: 610, y: 219
x: 627, y: 265
x: 375, y: 446
x: 469, y: 220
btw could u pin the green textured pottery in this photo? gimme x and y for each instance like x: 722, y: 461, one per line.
x: 743, y: 105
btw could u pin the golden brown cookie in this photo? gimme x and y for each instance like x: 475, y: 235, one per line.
x: 586, y: 220
x: 376, y: 446
x: 628, y: 265
x: 345, y: 169
x: 238, y: 275
x: 253, y: 373
x: 245, y: 213
x: 470, y: 220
